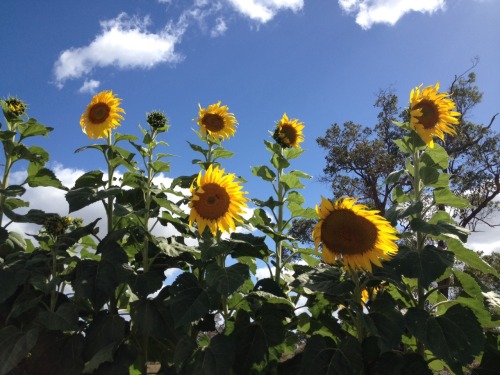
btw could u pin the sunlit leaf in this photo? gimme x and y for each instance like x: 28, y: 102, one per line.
x: 448, y: 198
x: 264, y: 172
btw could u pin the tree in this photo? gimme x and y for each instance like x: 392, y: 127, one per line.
x: 360, y: 159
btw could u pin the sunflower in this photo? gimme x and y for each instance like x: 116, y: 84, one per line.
x: 16, y: 106
x: 217, y: 201
x: 102, y: 115
x: 216, y: 121
x: 432, y: 114
x: 352, y: 234
x: 288, y: 132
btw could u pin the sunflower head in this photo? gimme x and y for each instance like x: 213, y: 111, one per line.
x: 57, y: 225
x: 16, y: 106
x: 432, y: 114
x: 288, y: 132
x: 102, y: 115
x: 216, y: 121
x: 216, y: 201
x: 157, y: 120
x: 353, y: 235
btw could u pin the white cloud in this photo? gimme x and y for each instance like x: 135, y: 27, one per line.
x: 219, y: 28
x: 125, y: 43
x: 264, y: 10
x: 89, y: 86
x: 369, y: 12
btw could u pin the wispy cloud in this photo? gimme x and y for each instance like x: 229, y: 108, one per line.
x: 89, y: 86
x: 264, y: 10
x: 219, y: 28
x: 125, y: 43
x: 370, y: 12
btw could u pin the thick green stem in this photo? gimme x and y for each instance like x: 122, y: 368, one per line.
x: 420, y: 237
x: 5, y: 180
x: 109, y: 205
x: 358, y: 320
x: 147, y: 200
x: 280, y: 226
x: 53, y: 292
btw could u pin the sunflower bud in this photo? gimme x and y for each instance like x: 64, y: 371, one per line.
x: 57, y: 225
x: 16, y: 106
x: 156, y: 119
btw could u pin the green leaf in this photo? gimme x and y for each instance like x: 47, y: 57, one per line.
x: 322, y: 356
x: 386, y: 321
x: 399, y: 196
x: 400, y: 211
x: 279, y: 162
x: 217, y: 358
x: 427, y: 265
x: 189, y: 302
x: 221, y: 153
x: 199, y: 149
x: 152, y: 318
x: 436, y: 157
x: 159, y: 166
x: 292, y: 152
x: 15, y: 346
x: 11, y: 242
x: 264, y: 172
x: 469, y: 284
x: 396, y: 363
x: 456, y: 337
x: 251, y: 348
x: 432, y: 177
x: 445, y: 196
x: 54, y: 347
x: 395, y: 177
x: 102, y: 337
x: 13, y: 191
x: 33, y: 128
x: 407, y: 143
x: 79, y: 198
x: 65, y: 318
x: 184, y: 349
x: 227, y: 280
x: 441, y: 229
x: 327, y: 281
x: 90, y: 179
x: 247, y: 244
x: 42, y: 177
x: 470, y: 257
x: 290, y: 181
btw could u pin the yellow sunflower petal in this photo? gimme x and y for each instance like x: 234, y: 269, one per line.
x: 432, y: 114
x: 102, y: 115
x: 288, y: 132
x: 217, y: 201
x: 353, y: 234
x: 216, y: 121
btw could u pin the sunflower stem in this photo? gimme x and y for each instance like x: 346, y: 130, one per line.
x: 279, y: 223
x: 417, y: 187
x: 358, y: 320
x: 6, y: 172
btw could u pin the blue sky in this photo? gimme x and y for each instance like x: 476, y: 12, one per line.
x: 321, y: 61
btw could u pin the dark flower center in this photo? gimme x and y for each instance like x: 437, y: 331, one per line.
x: 344, y: 232
x: 213, y: 203
x: 213, y: 122
x: 99, y: 113
x: 430, y: 114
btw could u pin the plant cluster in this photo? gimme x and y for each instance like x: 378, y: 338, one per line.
x: 365, y: 300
